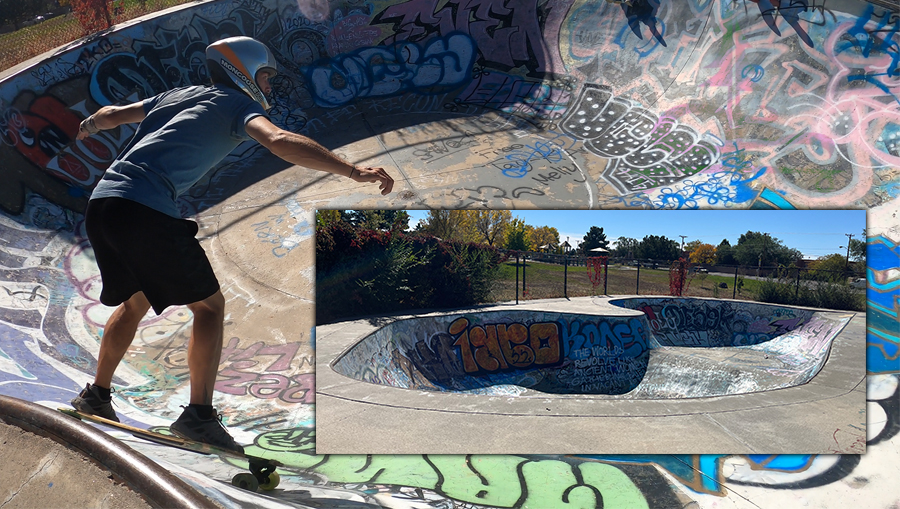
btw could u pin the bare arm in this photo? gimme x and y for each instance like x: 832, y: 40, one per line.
x: 109, y: 117
x: 303, y: 151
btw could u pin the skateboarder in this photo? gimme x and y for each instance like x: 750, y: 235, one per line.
x: 147, y: 254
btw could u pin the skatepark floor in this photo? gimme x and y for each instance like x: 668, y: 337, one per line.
x: 41, y: 473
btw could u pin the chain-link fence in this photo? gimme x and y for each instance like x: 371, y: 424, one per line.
x: 527, y: 276
x: 36, y: 36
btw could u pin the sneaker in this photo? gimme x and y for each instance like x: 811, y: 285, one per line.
x: 89, y: 402
x: 208, y: 431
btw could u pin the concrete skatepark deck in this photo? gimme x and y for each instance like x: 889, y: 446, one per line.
x: 699, y: 104
x: 592, y: 369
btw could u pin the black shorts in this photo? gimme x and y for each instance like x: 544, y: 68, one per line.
x: 139, y: 249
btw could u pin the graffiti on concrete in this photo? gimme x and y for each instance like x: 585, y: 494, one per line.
x: 790, y: 11
x: 507, y: 35
x: 871, y: 41
x: 37, y: 140
x: 696, y: 322
x: 404, y: 67
x: 883, y: 303
x: 550, y: 352
x: 647, y: 151
x: 499, y: 347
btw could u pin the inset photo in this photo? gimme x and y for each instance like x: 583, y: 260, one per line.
x: 590, y: 332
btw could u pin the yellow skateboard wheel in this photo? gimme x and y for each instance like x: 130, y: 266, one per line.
x: 274, y: 479
x: 245, y: 481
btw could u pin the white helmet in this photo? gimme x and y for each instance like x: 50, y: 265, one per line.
x: 242, y: 58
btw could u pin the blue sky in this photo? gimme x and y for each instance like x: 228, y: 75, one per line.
x: 814, y: 233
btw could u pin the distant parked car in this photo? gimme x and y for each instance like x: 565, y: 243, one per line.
x: 859, y: 282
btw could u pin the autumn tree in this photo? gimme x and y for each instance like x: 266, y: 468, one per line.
x: 458, y: 225
x: 492, y: 224
x: 691, y: 246
x: 703, y: 253
x: 543, y: 236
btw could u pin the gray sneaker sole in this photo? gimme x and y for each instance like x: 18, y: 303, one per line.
x: 185, y: 436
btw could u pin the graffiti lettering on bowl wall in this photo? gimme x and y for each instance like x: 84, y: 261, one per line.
x: 572, y: 354
x: 716, y: 323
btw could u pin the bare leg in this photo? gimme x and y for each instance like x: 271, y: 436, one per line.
x: 205, y: 348
x: 118, y: 335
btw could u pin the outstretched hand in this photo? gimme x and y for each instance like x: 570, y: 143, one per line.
x: 374, y: 175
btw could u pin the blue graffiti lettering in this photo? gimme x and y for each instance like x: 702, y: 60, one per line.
x: 442, y: 64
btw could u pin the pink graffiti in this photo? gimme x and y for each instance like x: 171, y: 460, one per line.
x: 351, y: 33
x: 248, y: 374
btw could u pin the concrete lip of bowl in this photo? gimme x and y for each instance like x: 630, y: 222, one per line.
x: 769, y: 399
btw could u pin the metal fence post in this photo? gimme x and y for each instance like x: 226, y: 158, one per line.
x: 797, y: 290
x: 637, y: 286
x: 517, y: 277
x: 524, y: 265
x: 566, y: 277
x: 734, y: 286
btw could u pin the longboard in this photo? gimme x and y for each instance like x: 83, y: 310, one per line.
x: 262, y: 471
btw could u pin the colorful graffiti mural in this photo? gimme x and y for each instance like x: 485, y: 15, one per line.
x: 577, y: 104
x: 707, y: 323
x: 551, y: 352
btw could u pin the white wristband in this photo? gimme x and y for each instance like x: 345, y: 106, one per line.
x: 89, y: 126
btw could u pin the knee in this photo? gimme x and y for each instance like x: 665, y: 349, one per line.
x: 210, y: 308
x: 136, y: 307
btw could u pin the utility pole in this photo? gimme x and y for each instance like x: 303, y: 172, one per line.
x: 847, y: 265
x: 682, y: 244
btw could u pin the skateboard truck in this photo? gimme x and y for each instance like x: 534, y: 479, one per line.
x: 262, y: 476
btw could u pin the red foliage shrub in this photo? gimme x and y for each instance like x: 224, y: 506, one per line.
x: 92, y: 14
x: 678, y: 277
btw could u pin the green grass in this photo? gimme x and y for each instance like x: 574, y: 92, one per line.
x: 29, y: 42
x: 545, y: 280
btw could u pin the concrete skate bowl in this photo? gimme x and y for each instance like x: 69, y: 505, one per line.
x: 672, y: 348
x: 703, y: 347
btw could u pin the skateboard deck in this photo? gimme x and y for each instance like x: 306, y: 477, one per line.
x: 262, y: 471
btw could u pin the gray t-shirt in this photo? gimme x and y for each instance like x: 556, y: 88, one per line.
x: 186, y: 131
